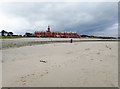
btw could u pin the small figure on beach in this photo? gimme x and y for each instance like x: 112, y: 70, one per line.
x: 71, y: 40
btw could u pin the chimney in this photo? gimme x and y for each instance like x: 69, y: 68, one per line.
x: 48, y: 28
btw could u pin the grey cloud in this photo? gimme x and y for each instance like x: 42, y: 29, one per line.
x: 84, y: 18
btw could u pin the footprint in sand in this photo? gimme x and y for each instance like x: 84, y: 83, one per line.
x: 98, y: 53
x: 69, y: 52
x: 46, y: 72
x: 23, y: 77
x: 28, y: 75
x: 2, y: 61
x: 108, y: 47
x: 59, y: 66
x: 33, y: 74
x: 41, y: 75
x: 23, y: 81
x: 91, y: 59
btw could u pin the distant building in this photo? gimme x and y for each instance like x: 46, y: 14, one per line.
x: 48, y: 33
x: 29, y: 34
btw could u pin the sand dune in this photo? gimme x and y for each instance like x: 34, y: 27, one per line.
x: 20, y: 42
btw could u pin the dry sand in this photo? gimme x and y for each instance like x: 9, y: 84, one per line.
x: 80, y: 64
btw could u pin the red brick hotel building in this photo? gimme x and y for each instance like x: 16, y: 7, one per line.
x: 48, y: 33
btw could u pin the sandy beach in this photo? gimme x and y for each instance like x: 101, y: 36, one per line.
x: 77, y: 64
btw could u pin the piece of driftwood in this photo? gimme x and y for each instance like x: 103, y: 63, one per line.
x: 43, y: 61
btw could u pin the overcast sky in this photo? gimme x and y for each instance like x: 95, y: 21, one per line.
x: 90, y: 18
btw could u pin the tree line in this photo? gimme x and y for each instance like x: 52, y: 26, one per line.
x: 5, y: 33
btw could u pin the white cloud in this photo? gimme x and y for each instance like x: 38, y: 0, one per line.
x: 11, y: 23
